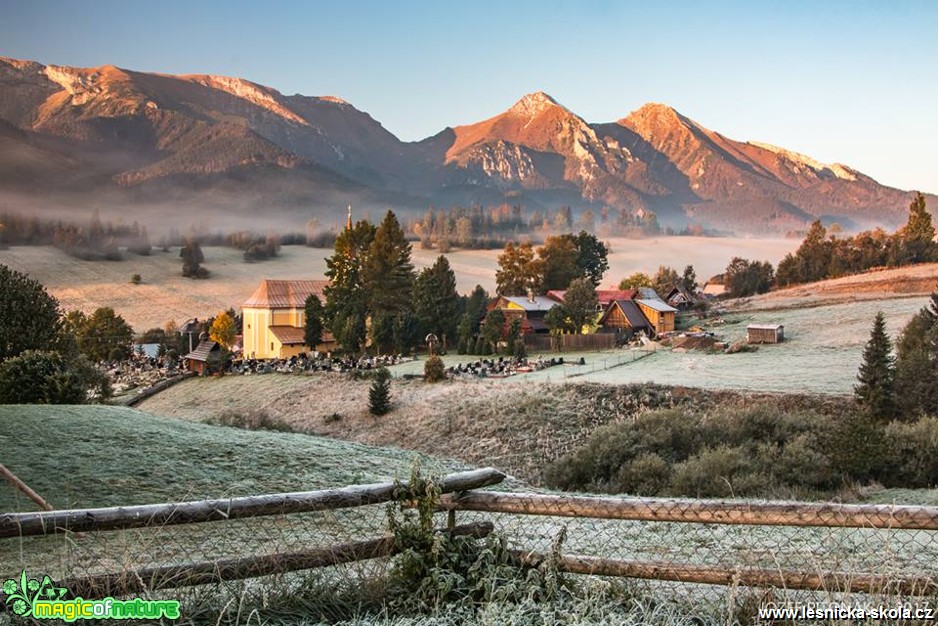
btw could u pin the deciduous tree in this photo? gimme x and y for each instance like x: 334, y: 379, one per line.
x: 223, y: 330
x: 105, y: 335
x: 518, y: 270
x: 580, y: 303
x: 30, y: 315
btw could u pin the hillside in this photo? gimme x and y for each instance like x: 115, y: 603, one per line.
x: 93, y: 456
x: 913, y: 281
x: 85, y: 137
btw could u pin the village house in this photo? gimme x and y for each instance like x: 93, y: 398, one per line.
x: 531, y: 309
x: 605, y: 297
x: 714, y: 287
x: 624, y: 316
x: 681, y: 298
x: 274, y: 319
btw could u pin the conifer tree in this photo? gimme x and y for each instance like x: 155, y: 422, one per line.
x: 379, y: 395
x: 346, y: 296
x: 876, y: 390
x: 917, y: 362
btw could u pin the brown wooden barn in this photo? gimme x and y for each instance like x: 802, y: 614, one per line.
x: 205, y: 355
x: 659, y: 313
x: 624, y: 315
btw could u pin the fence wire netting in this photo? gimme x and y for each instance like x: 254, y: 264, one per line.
x: 881, y: 560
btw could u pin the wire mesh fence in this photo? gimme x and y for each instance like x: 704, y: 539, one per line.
x: 713, y: 551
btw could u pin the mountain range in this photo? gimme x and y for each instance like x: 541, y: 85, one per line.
x: 83, y: 137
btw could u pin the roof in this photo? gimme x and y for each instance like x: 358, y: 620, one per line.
x: 764, y: 327
x: 535, y: 303
x: 631, y: 311
x: 657, y: 305
x: 647, y: 293
x: 285, y: 294
x: 681, y: 290
x: 288, y: 335
x: 604, y: 296
x: 203, y: 351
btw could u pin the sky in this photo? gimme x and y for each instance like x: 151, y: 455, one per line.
x: 850, y: 82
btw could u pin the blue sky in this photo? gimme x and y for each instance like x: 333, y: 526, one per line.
x: 851, y: 82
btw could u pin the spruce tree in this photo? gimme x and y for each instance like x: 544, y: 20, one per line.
x: 346, y: 305
x: 876, y: 391
x: 379, y: 396
x: 388, y: 273
x: 917, y: 362
x: 436, y: 302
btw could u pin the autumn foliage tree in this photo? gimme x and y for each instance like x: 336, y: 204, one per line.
x: 223, y: 330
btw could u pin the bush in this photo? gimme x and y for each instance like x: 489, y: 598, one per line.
x: 434, y: 370
x: 379, y: 396
x: 719, y: 472
x: 136, y: 279
x: 36, y: 377
x: 646, y: 474
x: 253, y: 419
x: 913, y: 454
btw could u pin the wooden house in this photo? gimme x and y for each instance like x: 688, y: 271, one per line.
x: 531, y: 309
x: 714, y: 287
x: 605, y: 297
x: 680, y: 298
x: 205, y: 356
x: 765, y: 333
x: 624, y: 316
x: 274, y: 319
x: 659, y: 313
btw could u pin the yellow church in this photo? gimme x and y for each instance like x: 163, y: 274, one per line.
x: 274, y: 319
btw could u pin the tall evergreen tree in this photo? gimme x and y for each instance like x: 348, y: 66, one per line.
x: 388, y: 273
x: 312, y: 323
x: 379, y: 395
x: 436, y: 302
x: 876, y: 390
x: 347, y: 299
x: 917, y: 362
x: 918, y: 235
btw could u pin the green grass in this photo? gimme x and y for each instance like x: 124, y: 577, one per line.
x: 95, y: 456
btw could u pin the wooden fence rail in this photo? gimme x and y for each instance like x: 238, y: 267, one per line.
x: 137, y: 580
x: 114, y: 518
x: 831, y: 515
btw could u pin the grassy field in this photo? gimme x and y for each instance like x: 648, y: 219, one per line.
x: 97, y: 456
x: 165, y: 295
x: 92, y: 456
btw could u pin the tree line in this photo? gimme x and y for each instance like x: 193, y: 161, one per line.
x: 824, y: 255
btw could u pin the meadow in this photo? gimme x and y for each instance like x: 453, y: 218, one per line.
x: 165, y: 295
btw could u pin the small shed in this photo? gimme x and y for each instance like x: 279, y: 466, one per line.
x: 765, y: 333
x: 203, y: 357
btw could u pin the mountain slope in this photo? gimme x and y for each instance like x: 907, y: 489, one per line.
x: 129, y: 136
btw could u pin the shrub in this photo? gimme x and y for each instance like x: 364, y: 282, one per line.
x: 913, y: 454
x: 36, y: 377
x: 253, y: 419
x: 434, y: 370
x: 647, y: 474
x: 136, y: 279
x: 719, y: 472
x: 379, y: 395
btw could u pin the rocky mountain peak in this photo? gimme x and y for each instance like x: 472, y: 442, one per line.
x: 533, y: 104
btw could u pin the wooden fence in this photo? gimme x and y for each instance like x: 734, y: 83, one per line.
x: 462, y: 498
x: 565, y: 342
